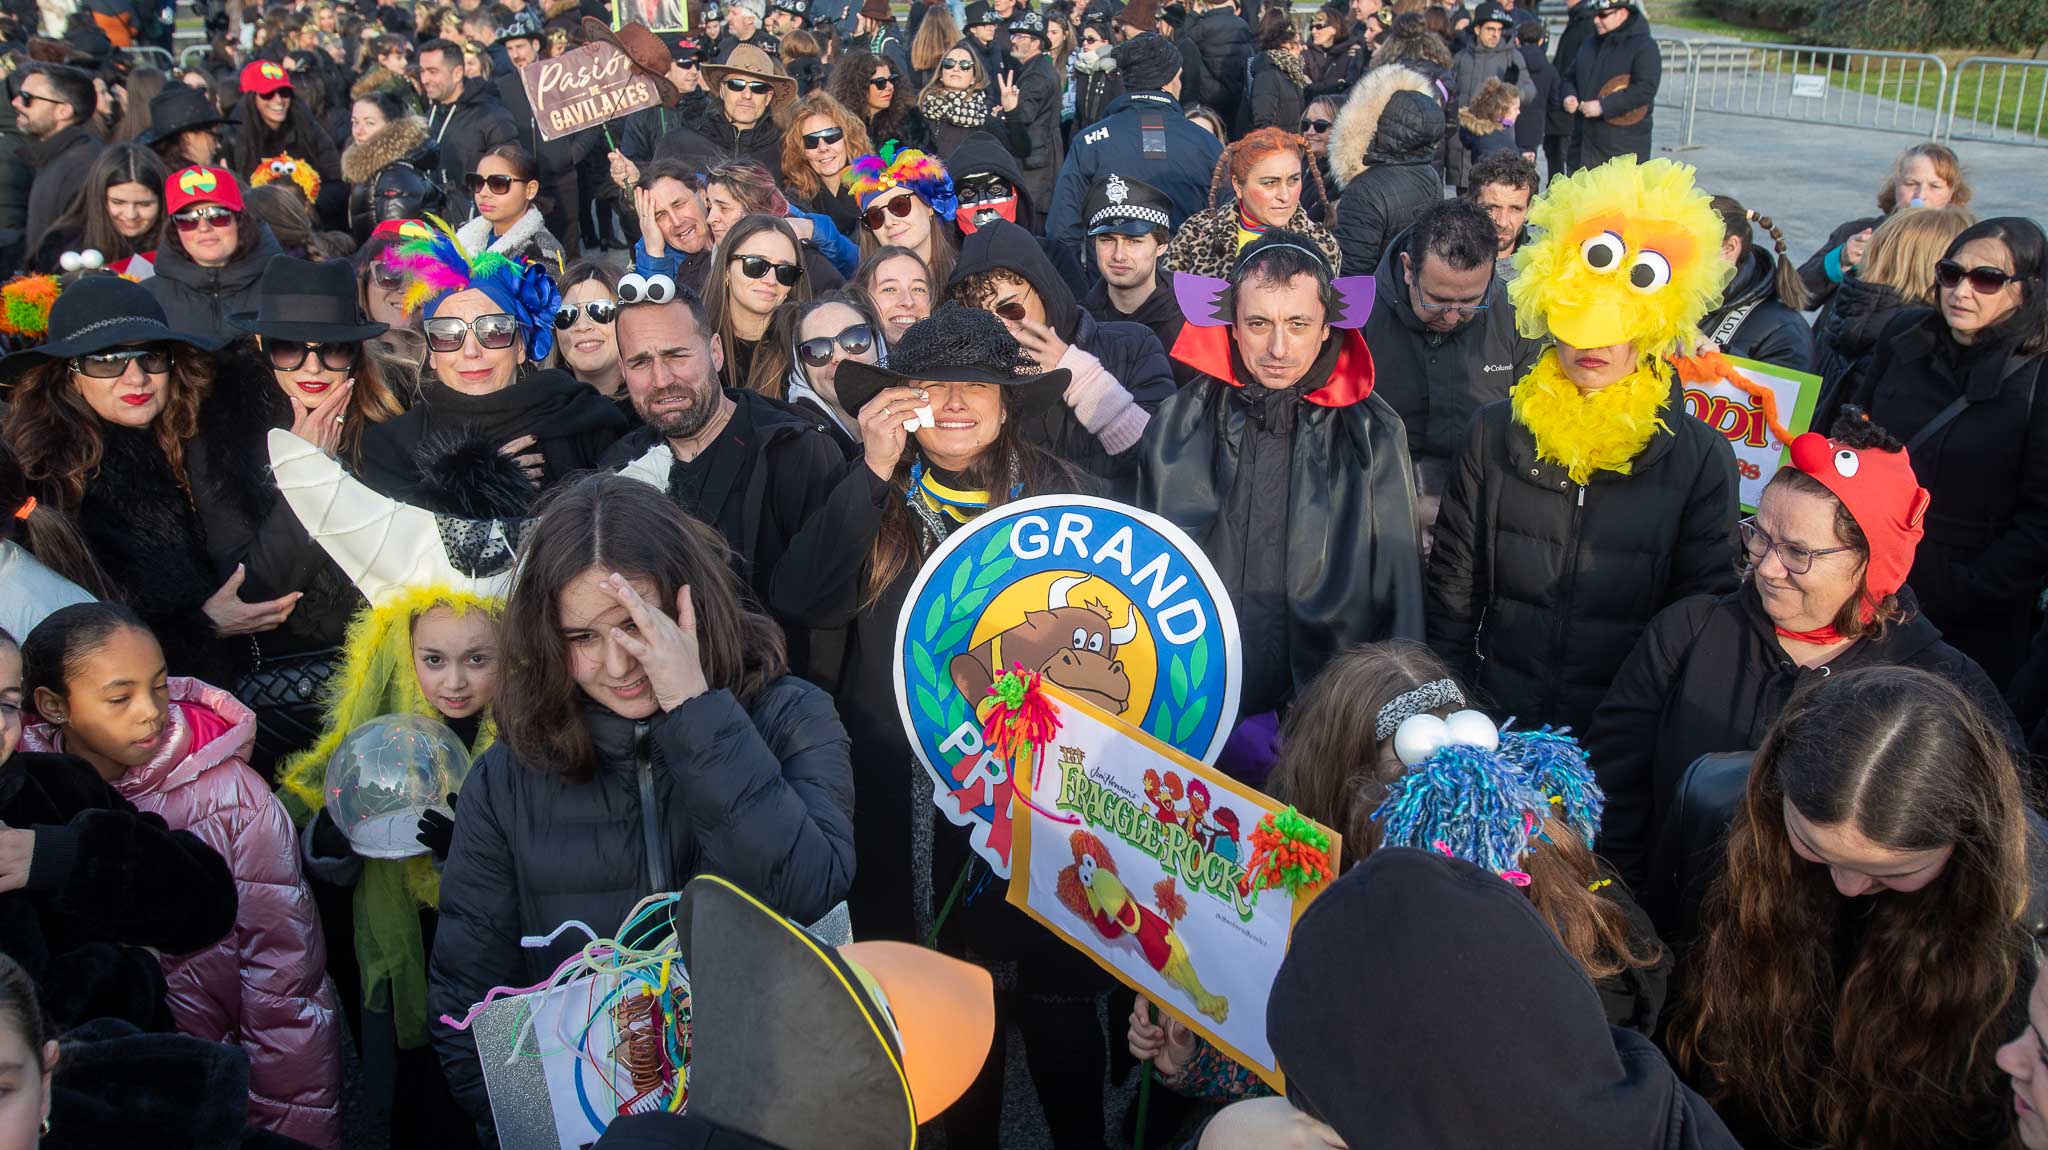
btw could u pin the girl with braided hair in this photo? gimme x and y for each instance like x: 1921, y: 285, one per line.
x: 1758, y: 317
x: 1267, y: 172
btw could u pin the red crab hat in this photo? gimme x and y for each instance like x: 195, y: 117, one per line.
x: 1882, y: 495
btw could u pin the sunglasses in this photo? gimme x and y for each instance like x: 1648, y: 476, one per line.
x: 815, y: 140
x: 949, y: 64
x: 881, y: 82
x: 190, y: 219
x: 855, y: 340
x: 898, y: 207
x: 31, y: 97
x: 280, y: 94
x: 755, y: 267
x: 1012, y: 311
x: 496, y: 332
x: 1983, y: 280
x: 757, y: 87
x: 287, y: 355
x: 500, y: 185
x: 388, y: 280
x: 1308, y: 125
x: 600, y: 312
x: 1319, y: 26
x: 114, y: 364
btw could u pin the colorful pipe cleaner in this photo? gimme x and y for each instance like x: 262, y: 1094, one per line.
x: 25, y: 304
x: 909, y: 168
x: 1288, y: 851
x: 1018, y: 721
x: 1467, y: 802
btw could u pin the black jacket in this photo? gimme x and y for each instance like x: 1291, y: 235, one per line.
x: 571, y: 422
x: 1845, y: 335
x: 1334, y: 70
x: 1215, y: 46
x: 104, y: 881
x: 1578, y: 28
x: 1272, y: 100
x: 1160, y: 312
x: 1094, y: 91
x: 60, y: 164
x: 461, y: 133
x: 1539, y: 588
x: 759, y: 794
x: 1399, y: 181
x: 709, y: 139
x: 1037, y: 119
x: 199, y: 300
x: 1985, y: 555
x: 1628, y: 50
x: 1771, y: 332
x: 311, y: 145
x: 1179, y: 164
x: 1709, y: 676
x: 1533, y: 121
x: 1820, y: 286
x: 1436, y: 381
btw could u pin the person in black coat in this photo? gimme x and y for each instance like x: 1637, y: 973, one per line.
x: 649, y: 732
x: 1759, y: 314
x: 272, y: 123
x: 1215, y: 47
x: 52, y: 107
x: 1959, y: 384
x: 1531, y: 38
x: 1037, y: 115
x: 465, y: 119
x: 1383, y: 151
x: 1621, y: 46
x: 1097, y: 82
x: 736, y: 125
x: 1561, y: 140
x: 1278, y: 81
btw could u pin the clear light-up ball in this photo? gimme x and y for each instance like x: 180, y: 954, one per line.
x: 385, y: 774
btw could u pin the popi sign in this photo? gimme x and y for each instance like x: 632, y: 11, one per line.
x: 1740, y: 418
x: 1113, y: 604
x: 585, y: 87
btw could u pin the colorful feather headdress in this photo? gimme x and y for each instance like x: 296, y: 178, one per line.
x: 439, y: 267
x: 909, y: 168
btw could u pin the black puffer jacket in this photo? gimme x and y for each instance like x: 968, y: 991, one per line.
x: 199, y: 300
x: 1272, y: 100
x: 1384, y: 150
x: 1628, y: 50
x: 1770, y: 332
x: 1845, y: 335
x: 1539, y: 588
x: 709, y: 139
x: 571, y: 421
x: 1708, y: 676
x: 461, y: 133
x: 1214, y: 49
x: 760, y: 794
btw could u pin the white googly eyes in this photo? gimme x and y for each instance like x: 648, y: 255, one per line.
x: 87, y: 261
x: 1650, y: 271
x: 1420, y: 736
x: 660, y: 289
x: 280, y: 168
x: 70, y: 261
x: 1603, y: 252
x: 1846, y: 463
x: 632, y: 286
x: 636, y: 288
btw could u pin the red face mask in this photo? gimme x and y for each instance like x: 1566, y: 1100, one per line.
x: 969, y: 217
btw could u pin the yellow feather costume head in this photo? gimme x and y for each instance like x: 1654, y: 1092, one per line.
x: 284, y: 166
x: 1626, y: 252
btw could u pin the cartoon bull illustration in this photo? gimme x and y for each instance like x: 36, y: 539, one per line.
x: 1072, y: 646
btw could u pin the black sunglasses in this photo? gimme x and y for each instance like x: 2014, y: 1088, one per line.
x: 949, y: 64
x: 757, y: 87
x: 880, y: 82
x: 1983, y: 280
x: 898, y: 207
x: 500, y: 185
x: 288, y: 355
x: 496, y: 332
x: 856, y: 340
x: 387, y: 279
x: 815, y: 140
x: 1308, y: 125
x: 114, y: 364
x: 600, y: 311
x: 1012, y: 311
x: 755, y: 267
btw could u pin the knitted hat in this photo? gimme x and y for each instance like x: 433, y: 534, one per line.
x: 200, y: 184
x: 1148, y: 61
x: 262, y: 77
x: 1882, y: 495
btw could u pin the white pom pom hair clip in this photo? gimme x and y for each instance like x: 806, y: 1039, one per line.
x: 1421, y: 736
x: 85, y: 261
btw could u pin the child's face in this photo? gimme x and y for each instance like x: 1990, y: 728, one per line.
x: 115, y: 702
x: 10, y: 700
x: 456, y: 659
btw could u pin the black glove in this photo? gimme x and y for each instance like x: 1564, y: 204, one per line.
x: 437, y: 831
x: 328, y: 841
x: 1513, y: 74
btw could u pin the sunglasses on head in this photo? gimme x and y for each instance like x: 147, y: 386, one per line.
x: 898, y: 207
x: 500, y: 185
x: 855, y: 340
x: 757, y: 87
x: 1308, y: 125
x: 496, y: 332
x: 880, y: 82
x: 114, y: 364
x: 815, y: 140
x: 213, y: 217
x: 755, y: 267
x: 288, y: 355
x: 1983, y: 280
x: 600, y: 311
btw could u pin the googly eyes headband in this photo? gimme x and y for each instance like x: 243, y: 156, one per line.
x: 635, y: 288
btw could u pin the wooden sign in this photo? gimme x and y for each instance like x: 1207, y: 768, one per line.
x: 584, y: 88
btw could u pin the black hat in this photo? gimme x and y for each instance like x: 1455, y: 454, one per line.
x: 1147, y: 61
x: 1490, y: 12
x: 178, y: 108
x: 1028, y: 23
x: 955, y: 344
x: 801, y: 9
x: 523, y: 26
x: 1609, y: 5
x: 308, y: 302
x: 98, y: 313
x: 1128, y: 207
x: 980, y: 14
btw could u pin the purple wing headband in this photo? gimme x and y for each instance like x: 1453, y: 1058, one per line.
x: 1207, y: 301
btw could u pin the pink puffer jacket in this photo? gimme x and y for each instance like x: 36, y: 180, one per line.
x: 264, y: 987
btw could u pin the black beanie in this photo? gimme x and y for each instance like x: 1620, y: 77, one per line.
x: 1148, y: 61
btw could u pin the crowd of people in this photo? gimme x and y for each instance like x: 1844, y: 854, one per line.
x: 335, y: 388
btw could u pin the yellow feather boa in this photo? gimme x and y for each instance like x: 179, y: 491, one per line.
x: 1603, y: 431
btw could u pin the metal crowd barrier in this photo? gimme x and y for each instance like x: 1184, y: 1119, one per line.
x: 1838, y: 87
x: 2003, y: 117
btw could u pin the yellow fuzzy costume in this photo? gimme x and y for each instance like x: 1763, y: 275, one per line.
x: 284, y: 166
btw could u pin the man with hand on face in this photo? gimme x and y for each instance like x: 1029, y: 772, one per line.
x: 1128, y: 234
x: 675, y: 238
x: 52, y: 105
x: 465, y: 119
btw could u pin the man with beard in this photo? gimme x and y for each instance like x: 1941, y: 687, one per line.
x: 734, y: 459
x: 465, y: 118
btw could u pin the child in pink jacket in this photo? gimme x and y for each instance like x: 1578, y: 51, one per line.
x: 176, y: 747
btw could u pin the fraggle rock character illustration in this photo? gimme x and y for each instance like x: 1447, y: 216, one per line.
x: 1196, y: 820
x: 1165, y: 795
x: 1073, y: 646
x: 1227, y: 832
x: 1095, y: 893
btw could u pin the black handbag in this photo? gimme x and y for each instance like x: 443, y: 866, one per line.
x: 288, y: 694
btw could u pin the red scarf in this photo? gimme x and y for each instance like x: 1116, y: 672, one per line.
x: 1820, y: 636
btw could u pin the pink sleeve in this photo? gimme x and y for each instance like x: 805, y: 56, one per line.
x: 1102, y: 404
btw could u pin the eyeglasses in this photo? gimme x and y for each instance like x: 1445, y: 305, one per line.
x: 1983, y: 280
x: 1434, y: 308
x: 500, y: 185
x: 288, y: 355
x: 815, y: 140
x: 881, y: 82
x: 191, y: 219
x: 1798, y: 560
x: 114, y: 364
x: 496, y: 332
x: 949, y: 64
x: 856, y: 340
x: 898, y: 207
x: 1308, y: 125
x: 600, y: 311
x: 756, y: 267
x: 757, y: 87
x: 280, y: 94
x: 1012, y: 311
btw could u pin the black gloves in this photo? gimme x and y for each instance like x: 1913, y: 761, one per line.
x: 437, y: 831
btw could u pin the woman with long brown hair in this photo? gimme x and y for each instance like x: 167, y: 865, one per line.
x: 886, y: 101
x: 1861, y: 952
x: 116, y: 215
x: 648, y: 732
x: 755, y: 269
x: 818, y: 152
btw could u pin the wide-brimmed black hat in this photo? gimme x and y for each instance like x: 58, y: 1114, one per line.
x: 956, y: 344
x: 99, y: 313
x: 179, y: 108
x: 308, y: 302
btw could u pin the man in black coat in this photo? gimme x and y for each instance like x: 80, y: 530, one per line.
x: 1389, y: 172
x: 1621, y: 46
x: 1127, y: 238
x: 1561, y: 130
x: 52, y: 105
x: 739, y: 122
x: 1215, y: 48
x: 1038, y: 104
x: 465, y: 119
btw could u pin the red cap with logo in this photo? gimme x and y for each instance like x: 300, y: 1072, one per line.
x: 200, y: 184
x: 262, y: 77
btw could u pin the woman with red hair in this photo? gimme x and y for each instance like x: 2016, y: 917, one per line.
x: 1265, y: 173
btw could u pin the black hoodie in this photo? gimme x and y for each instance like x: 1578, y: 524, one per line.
x: 572, y: 423
x: 1769, y: 331
x: 980, y: 154
x: 1475, y: 1027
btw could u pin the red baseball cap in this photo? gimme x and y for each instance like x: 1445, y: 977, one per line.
x: 262, y: 77
x: 200, y: 184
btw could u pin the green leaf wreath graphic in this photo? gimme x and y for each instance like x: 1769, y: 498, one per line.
x: 948, y: 619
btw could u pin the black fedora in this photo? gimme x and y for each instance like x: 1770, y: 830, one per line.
x: 179, y: 108
x: 308, y: 302
x: 98, y: 313
x: 955, y: 344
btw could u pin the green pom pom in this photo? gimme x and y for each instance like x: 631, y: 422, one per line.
x: 1009, y: 687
